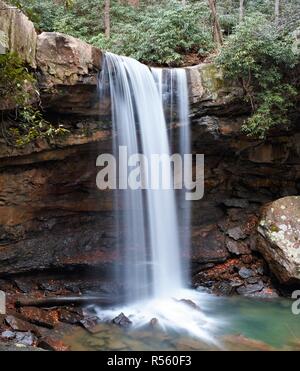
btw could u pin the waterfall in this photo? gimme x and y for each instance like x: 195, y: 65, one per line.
x: 150, y: 241
x: 143, y: 103
x: 173, y: 90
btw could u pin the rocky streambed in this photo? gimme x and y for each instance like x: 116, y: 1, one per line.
x: 239, y: 324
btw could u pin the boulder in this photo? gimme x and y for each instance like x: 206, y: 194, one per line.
x: 122, y: 321
x: 210, y: 92
x: 68, y: 74
x: 18, y: 32
x: 279, y: 228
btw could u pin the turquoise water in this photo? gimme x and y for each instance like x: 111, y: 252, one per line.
x: 245, y: 324
x: 269, y: 321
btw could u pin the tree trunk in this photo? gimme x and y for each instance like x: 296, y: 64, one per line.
x: 107, y: 18
x: 277, y: 11
x: 242, y: 9
x: 217, y: 32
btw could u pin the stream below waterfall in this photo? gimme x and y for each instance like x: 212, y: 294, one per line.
x: 244, y: 324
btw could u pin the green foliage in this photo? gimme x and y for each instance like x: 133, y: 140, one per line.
x: 83, y: 20
x: 42, y: 13
x: 27, y: 7
x: 152, y: 34
x: 14, y: 79
x: 16, y: 85
x: 157, y: 32
x: 162, y: 32
x: 164, y: 35
x: 272, y: 110
x: 260, y: 57
x: 32, y: 126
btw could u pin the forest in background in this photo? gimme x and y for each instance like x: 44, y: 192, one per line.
x: 162, y: 32
x: 256, y: 42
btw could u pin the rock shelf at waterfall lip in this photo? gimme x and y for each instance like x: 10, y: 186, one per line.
x: 185, y: 312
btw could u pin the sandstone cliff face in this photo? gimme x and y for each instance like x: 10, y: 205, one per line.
x: 51, y: 214
x: 53, y: 217
x: 20, y: 33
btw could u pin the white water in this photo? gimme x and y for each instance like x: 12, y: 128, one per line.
x: 173, y: 90
x: 149, y: 229
x: 149, y: 240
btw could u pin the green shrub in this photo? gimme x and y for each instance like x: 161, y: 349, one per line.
x: 15, y: 79
x: 17, y: 85
x: 165, y: 35
x: 31, y: 126
x: 261, y: 58
x: 83, y: 20
x: 150, y: 33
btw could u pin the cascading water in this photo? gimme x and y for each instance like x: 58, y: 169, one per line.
x: 173, y: 89
x: 149, y: 230
x: 152, y: 264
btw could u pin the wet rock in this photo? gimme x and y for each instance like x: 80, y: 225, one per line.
x: 40, y: 317
x: 250, y: 289
x: 280, y: 238
x: 237, y: 233
x: 190, y: 304
x: 223, y: 289
x: 122, y: 321
x: 253, y: 280
x: 246, y: 273
x: 52, y: 344
x: 70, y: 317
x: 203, y: 289
x: 25, y: 338
x: 236, y: 283
x: 237, y: 248
x: 223, y: 273
x: 154, y: 322
x: 91, y: 324
x: 18, y: 324
x: 8, y: 335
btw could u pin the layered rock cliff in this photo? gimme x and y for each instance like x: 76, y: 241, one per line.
x: 53, y: 217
